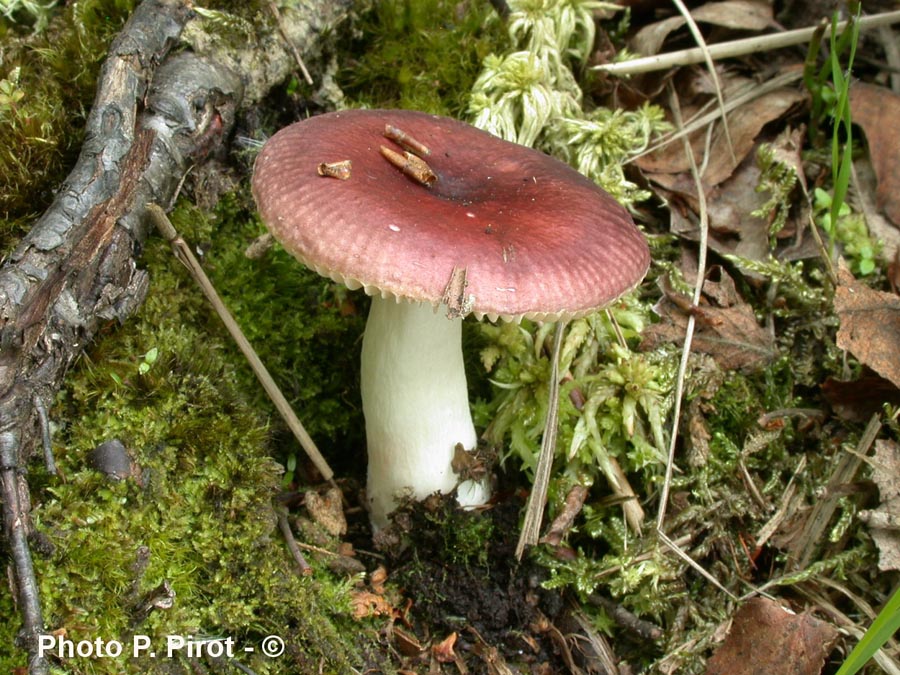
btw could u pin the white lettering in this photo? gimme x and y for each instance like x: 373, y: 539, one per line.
x: 139, y: 645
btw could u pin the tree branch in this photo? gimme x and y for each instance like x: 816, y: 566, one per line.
x: 76, y: 269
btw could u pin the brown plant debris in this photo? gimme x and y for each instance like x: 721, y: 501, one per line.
x: 876, y: 110
x: 884, y: 521
x: 328, y: 511
x: 726, y: 327
x: 870, y: 325
x: 766, y: 638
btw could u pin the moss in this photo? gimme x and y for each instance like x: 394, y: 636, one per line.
x: 419, y: 55
x: 305, y: 329
x: 42, y: 124
x: 198, y: 514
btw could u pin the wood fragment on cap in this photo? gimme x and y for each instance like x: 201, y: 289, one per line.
x: 455, y: 297
x: 405, y: 141
x: 340, y: 170
x: 410, y: 165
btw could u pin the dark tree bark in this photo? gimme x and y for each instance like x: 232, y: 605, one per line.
x: 76, y: 269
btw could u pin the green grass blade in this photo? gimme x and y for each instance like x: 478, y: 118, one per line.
x: 885, y: 625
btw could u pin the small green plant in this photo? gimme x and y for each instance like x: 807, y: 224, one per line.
x: 779, y: 179
x: 34, y: 12
x: 531, y: 95
x: 830, y: 91
x: 848, y: 229
x: 885, y: 625
x: 147, y: 360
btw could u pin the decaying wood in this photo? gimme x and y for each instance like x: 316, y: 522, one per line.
x: 152, y: 118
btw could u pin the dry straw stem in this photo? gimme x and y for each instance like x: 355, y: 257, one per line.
x: 711, y: 67
x: 185, y: 255
x: 685, y: 355
x: 743, y: 47
x: 749, y: 93
x: 689, y: 329
x: 534, y: 512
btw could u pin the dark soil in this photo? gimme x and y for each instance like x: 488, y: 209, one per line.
x: 461, y: 575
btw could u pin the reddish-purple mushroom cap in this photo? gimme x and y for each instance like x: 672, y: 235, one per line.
x: 420, y: 211
x: 535, y: 238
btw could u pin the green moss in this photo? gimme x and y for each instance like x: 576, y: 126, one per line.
x: 52, y: 76
x: 199, y: 514
x: 305, y: 329
x: 419, y: 55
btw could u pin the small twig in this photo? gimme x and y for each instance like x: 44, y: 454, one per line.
x: 626, y: 619
x: 186, y: 256
x: 15, y: 518
x: 689, y: 329
x: 410, y: 165
x: 711, y: 67
x: 680, y: 552
x: 561, y: 525
x: 405, y: 141
x: 534, y: 511
x: 44, y: 420
x: 293, y: 49
x: 743, y: 47
x: 737, y: 99
x: 800, y: 554
x: 285, y: 527
x: 617, y: 329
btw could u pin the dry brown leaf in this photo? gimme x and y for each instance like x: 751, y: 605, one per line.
x: 365, y: 604
x: 328, y: 511
x: 744, y: 124
x: 870, y: 325
x: 858, y: 400
x: 443, y: 650
x: 766, y: 639
x: 884, y: 522
x: 876, y: 110
x: 880, y: 226
x: 735, y: 14
x: 732, y: 227
x: 725, y: 328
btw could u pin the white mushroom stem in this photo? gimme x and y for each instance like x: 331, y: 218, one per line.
x: 416, y: 405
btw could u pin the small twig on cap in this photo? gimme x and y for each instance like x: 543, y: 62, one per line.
x: 458, y: 302
x: 340, y: 170
x: 186, y: 256
x: 405, y: 141
x: 410, y: 165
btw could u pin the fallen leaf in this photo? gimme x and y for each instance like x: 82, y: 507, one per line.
x: 884, y: 521
x: 734, y: 14
x: 744, y: 124
x: 328, y: 511
x: 870, y: 325
x: 406, y: 643
x: 858, y: 400
x: 732, y: 226
x: 877, y: 109
x: 880, y: 226
x: 766, y: 639
x: 443, y: 650
x: 365, y: 604
x: 725, y: 327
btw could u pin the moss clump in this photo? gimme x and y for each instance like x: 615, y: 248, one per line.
x: 419, y: 55
x: 42, y: 116
x: 198, y: 512
x: 304, y: 328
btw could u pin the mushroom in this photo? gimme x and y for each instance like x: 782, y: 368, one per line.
x: 422, y: 211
